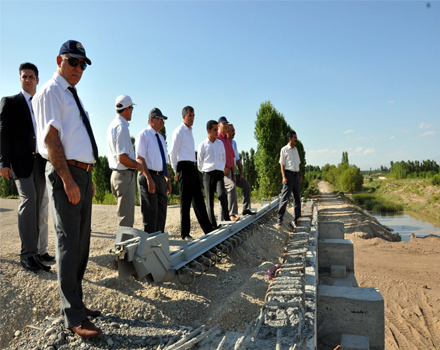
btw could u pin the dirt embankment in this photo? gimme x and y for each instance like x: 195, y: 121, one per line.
x: 407, y: 274
x: 236, y: 283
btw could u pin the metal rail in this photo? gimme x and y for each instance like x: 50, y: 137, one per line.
x: 148, y: 255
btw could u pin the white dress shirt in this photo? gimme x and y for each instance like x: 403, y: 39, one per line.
x: 148, y: 148
x: 28, y: 98
x: 211, y: 156
x: 118, y: 142
x: 182, y: 146
x: 55, y: 106
x: 290, y: 158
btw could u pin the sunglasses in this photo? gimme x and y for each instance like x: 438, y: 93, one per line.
x: 73, y: 62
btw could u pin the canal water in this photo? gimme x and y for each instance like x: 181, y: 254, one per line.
x: 405, y: 223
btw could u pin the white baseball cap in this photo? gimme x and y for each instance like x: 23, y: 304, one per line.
x: 123, y: 101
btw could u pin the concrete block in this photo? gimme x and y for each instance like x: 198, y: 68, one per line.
x: 342, y: 283
x: 354, y: 342
x: 336, y: 252
x: 331, y: 229
x: 338, y: 271
x: 345, y: 310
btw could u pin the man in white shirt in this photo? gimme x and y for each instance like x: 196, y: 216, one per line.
x: 289, y: 163
x: 182, y: 160
x: 65, y: 138
x: 240, y: 182
x: 211, y: 160
x: 154, y: 183
x: 121, y: 160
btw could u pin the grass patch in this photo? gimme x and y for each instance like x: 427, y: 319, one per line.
x: 372, y: 202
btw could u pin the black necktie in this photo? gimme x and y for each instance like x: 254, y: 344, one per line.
x: 162, y: 153
x: 86, y: 122
x: 32, y: 109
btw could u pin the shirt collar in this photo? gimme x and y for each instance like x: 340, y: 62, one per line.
x: 61, y: 81
x: 288, y: 146
x: 185, y: 127
x: 122, y: 120
x: 26, y: 95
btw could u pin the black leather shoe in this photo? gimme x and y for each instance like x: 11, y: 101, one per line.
x: 248, y: 212
x: 42, y: 264
x: 46, y: 257
x: 31, y: 264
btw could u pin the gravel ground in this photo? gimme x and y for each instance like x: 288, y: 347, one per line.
x: 136, y: 315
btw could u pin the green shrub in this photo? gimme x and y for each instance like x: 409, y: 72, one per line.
x: 352, y: 180
x: 436, y: 180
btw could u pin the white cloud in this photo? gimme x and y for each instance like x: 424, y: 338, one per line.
x: 359, y: 149
x: 347, y: 131
x: 362, y: 138
x: 424, y: 126
x: 319, y: 151
x: 401, y: 129
x: 392, y: 138
x: 390, y: 101
x: 428, y: 133
x: 369, y: 151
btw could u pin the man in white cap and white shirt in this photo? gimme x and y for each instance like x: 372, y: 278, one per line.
x: 154, y: 183
x: 122, y: 161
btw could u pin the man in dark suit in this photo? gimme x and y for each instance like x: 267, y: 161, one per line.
x: 19, y: 160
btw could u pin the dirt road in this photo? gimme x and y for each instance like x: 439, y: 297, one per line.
x: 407, y: 274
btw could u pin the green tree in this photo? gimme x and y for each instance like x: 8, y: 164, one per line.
x: 352, y: 180
x: 249, y: 171
x: 344, y: 158
x: 7, y: 188
x: 270, y: 132
x: 101, y: 178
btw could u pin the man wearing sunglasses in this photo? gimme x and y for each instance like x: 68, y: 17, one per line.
x: 66, y: 140
x: 154, y: 184
x: 122, y: 161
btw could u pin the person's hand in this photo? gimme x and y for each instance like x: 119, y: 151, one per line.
x: 241, y: 176
x: 175, y: 177
x: 233, y: 178
x: 6, y: 173
x: 151, y: 185
x: 284, y: 180
x: 169, y: 188
x: 73, y: 193
x: 226, y: 171
x: 93, y: 190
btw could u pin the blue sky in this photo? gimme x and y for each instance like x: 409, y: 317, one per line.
x: 355, y: 76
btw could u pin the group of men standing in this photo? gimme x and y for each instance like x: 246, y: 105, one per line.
x: 47, y: 143
x: 151, y: 159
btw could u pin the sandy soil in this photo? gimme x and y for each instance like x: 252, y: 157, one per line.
x: 237, y: 283
x: 407, y: 274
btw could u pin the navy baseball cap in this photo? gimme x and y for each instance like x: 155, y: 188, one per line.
x: 156, y: 113
x: 223, y: 120
x: 75, y: 49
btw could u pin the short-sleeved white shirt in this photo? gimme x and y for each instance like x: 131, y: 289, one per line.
x: 54, y: 105
x: 118, y: 142
x: 211, y: 156
x: 148, y: 148
x: 290, y: 158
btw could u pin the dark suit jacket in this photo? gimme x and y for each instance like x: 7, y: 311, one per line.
x: 17, y: 136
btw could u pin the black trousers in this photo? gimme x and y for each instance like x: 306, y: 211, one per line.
x: 293, y: 187
x: 191, y: 192
x: 153, y: 205
x: 214, y: 181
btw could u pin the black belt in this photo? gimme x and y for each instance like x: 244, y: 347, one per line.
x: 293, y: 172
x: 155, y: 172
x: 186, y: 161
x: 130, y: 169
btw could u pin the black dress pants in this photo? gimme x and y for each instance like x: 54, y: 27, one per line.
x: 214, y: 181
x: 191, y: 192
